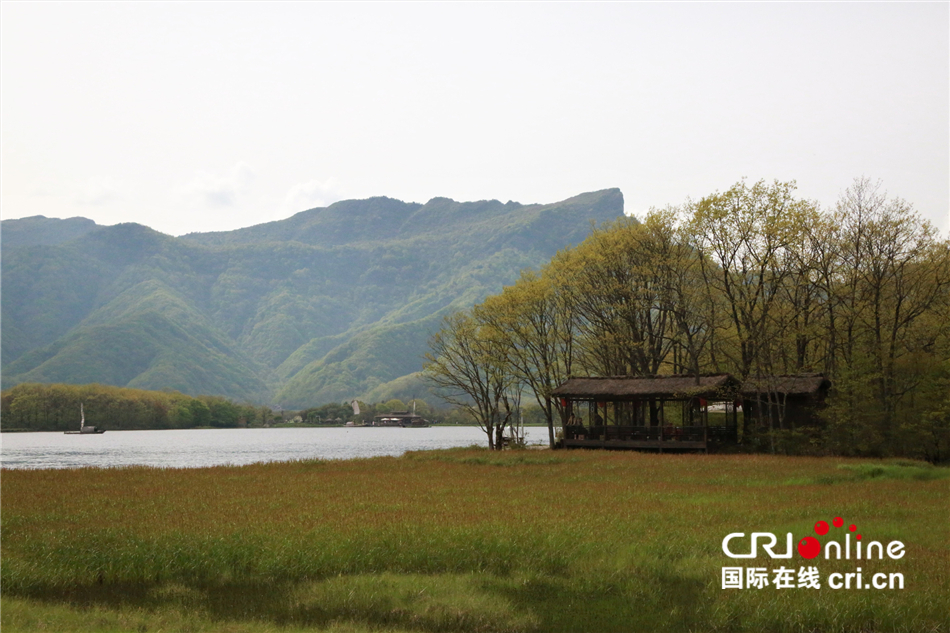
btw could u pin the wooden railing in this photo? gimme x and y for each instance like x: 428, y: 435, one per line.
x: 722, y: 434
x: 637, y: 433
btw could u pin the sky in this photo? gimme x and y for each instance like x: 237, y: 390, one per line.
x: 213, y: 116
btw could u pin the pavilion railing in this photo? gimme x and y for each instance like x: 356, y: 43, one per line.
x: 723, y: 434
x: 637, y: 433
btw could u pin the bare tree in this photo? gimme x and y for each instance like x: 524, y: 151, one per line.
x: 469, y: 365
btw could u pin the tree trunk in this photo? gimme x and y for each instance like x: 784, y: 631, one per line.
x: 549, y: 412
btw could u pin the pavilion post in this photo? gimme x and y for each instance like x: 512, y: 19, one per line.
x: 706, y: 429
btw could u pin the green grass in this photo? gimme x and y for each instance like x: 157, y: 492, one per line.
x: 886, y: 469
x: 461, y: 540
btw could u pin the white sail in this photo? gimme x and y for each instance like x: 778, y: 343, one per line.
x: 82, y: 415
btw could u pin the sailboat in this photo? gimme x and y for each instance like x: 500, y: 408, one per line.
x: 83, y: 429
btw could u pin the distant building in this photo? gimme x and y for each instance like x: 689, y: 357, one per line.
x: 400, y: 418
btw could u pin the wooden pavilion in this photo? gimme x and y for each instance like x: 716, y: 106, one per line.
x: 661, y: 413
x: 793, y: 401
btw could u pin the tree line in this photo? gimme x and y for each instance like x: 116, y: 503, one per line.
x: 753, y: 281
x: 56, y: 407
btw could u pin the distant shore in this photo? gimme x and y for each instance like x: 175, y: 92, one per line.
x: 288, y: 425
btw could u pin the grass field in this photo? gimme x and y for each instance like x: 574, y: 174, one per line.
x: 463, y: 540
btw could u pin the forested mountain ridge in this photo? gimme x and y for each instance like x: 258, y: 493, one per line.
x: 331, y: 303
x: 38, y: 229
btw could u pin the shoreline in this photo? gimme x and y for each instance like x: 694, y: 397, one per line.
x: 275, y: 426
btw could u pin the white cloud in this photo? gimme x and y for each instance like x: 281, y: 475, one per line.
x: 99, y: 191
x: 311, y: 194
x: 217, y: 191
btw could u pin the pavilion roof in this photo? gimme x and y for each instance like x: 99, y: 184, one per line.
x: 632, y: 387
x: 797, y: 385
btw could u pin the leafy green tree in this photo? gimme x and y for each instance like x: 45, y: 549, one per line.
x: 534, y: 327
x: 395, y: 405
x: 743, y: 236
x: 894, y: 272
x: 622, y: 304
x: 200, y: 413
x: 221, y: 412
x: 744, y: 239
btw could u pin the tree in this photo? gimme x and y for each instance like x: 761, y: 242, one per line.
x: 469, y: 365
x: 533, y: 325
x: 893, y: 271
x: 695, y: 312
x: 621, y: 302
x: 393, y: 405
x: 744, y: 237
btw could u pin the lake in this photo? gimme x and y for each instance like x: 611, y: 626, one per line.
x: 196, y: 448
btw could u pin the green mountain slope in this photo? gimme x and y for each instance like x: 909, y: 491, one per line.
x: 366, y: 361
x: 149, y: 351
x: 39, y: 230
x: 329, y: 304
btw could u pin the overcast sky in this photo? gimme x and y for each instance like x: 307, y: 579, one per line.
x: 195, y: 117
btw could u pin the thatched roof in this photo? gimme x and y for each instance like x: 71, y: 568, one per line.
x: 798, y: 385
x: 631, y: 387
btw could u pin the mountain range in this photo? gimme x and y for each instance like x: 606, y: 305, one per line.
x: 330, y: 304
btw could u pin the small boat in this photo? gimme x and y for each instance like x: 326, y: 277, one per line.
x: 83, y: 429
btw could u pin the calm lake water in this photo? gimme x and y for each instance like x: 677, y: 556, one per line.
x: 214, y: 447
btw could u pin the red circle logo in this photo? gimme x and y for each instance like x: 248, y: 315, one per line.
x: 809, y: 547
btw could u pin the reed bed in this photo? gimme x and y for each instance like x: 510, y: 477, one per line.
x: 461, y: 540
